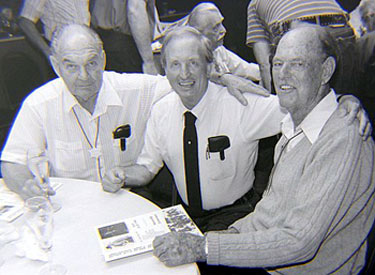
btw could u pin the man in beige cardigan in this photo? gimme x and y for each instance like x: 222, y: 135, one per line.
x: 316, y: 214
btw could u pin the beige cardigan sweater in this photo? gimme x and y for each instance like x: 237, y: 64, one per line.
x: 317, y: 215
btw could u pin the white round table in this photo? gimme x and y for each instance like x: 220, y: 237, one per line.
x: 75, y: 244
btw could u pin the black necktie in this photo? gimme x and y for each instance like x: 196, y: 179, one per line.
x: 191, y: 162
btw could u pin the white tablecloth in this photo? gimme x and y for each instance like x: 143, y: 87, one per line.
x: 75, y: 243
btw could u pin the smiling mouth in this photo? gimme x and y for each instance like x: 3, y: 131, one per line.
x: 186, y: 84
x: 286, y: 88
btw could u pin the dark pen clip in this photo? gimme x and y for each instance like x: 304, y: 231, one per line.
x: 122, y: 132
x: 218, y: 144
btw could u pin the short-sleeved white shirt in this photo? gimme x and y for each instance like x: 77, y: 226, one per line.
x: 46, y: 120
x: 228, y: 62
x: 56, y: 13
x: 218, y: 113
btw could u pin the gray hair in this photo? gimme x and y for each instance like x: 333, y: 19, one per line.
x: 184, y: 31
x: 74, y: 29
x: 366, y: 6
x: 196, y: 13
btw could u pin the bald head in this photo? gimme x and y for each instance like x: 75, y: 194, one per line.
x: 206, y: 18
x: 198, y: 14
x: 78, y: 58
x: 75, y: 34
x: 303, y: 65
x: 304, y: 39
x: 367, y: 11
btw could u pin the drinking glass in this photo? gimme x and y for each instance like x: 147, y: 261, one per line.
x: 37, y: 162
x: 39, y: 218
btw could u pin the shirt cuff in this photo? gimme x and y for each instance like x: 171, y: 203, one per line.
x: 212, y: 243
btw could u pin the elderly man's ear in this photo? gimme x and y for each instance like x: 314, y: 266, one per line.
x: 104, y: 58
x: 210, y: 67
x: 55, y: 65
x: 329, y: 67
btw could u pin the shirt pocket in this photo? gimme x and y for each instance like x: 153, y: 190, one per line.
x: 220, y: 169
x: 126, y: 157
x: 69, y: 156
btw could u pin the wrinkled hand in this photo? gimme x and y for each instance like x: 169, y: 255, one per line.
x: 180, y: 248
x: 238, y: 85
x: 352, y: 107
x: 114, y: 180
x: 32, y: 188
x: 150, y: 68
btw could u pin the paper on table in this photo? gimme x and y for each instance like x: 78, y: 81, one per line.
x: 8, y: 233
x: 11, y: 205
x: 134, y: 235
x: 9, y: 211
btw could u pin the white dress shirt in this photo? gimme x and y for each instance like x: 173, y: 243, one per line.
x: 56, y: 13
x: 218, y: 113
x: 46, y: 120
x: 228, y: 62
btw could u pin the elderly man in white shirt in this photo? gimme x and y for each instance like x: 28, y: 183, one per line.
x: 73, y: 117
x: 207, y: 18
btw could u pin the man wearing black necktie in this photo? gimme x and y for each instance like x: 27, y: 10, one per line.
x: 316, y: 216
x: 208, y: 140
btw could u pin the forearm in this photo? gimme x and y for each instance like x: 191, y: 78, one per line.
x: 262, y: 53
x: 15, y: 175
x: 137, y: 175
x: 140, y: 28
x: 31, y: 32
x: 241, y: 67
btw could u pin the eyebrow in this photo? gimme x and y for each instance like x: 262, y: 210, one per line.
x: 67, y: 59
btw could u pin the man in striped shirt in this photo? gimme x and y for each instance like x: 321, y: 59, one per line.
x: 127, y: 28
x: 268, y: 20
x: 53, y: 15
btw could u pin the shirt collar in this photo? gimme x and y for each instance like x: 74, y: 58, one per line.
x: 201, y: 108
x: 107, y: 97
x: 314, y: 122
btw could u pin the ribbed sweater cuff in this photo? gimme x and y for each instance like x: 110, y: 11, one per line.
x: 213, y: 240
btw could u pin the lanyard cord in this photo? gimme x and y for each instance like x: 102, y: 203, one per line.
x: 278, y: 160
x: 88, y: 140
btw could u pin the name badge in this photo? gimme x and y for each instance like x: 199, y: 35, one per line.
x: 95, y: 153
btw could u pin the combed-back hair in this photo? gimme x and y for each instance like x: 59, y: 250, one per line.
x: 74, y: 28
x: 186, y: 31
